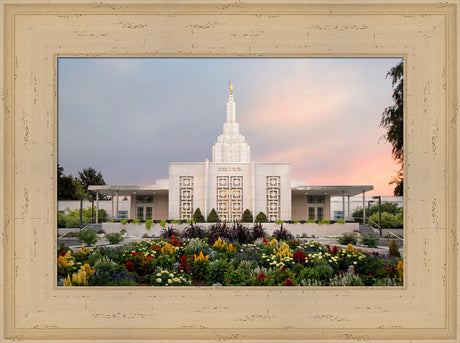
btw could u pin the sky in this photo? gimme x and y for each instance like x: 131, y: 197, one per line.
x: 130, y: 117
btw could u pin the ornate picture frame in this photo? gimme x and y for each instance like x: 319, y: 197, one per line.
x: 36, y: 34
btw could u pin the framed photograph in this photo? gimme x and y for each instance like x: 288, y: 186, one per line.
x: 36, y: 34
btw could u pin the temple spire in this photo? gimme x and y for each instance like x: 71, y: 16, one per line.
x: 231, y: 146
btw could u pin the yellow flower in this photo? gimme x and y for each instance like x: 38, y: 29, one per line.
x: 168, y: 248
x: 200, y: 257
x: 350, y: 247
x: 400, y: 269
x: 67, y: 281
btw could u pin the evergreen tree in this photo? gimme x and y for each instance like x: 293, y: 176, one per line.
x: 213, y: 217
x: 198, y: 217
x: 261, y: 218
x: 89, y: 176
x: 247, y: 217
x: 65, y: 186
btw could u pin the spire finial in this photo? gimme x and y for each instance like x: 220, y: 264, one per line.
x: 231, y: 88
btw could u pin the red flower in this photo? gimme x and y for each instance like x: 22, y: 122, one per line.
x: 129, y: 266
x: 63, y: 252
x: 262, y: 276
x: 335, y: 250
x: 299, y: 257
x: 283, y: 268
x: 289, y: 283
x: 264, y: 241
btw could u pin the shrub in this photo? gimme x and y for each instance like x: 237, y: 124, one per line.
x: 340, y: 221
x: 282, y: 234
x: 393, y: 249
x: 163, y: 223
x: 114, y: 238
x: 247, y: 217
x: 217, y: 270
x: 370, y: 240
x: 194, y: 231
x: 136, y: 221
x: 243, y: 235
x: 148, y: 224
x: 198, y: 217
x: 213, y: 217
x: 87, y: 236
x: 258, y: 232
x: 261, y: 218
x: 388, y: 219
x: 310, y: 221
x: 124, y: 221
x: 324, y: 221
x: 220, y: 230
x: 347, y: 238
x: 169, y: 232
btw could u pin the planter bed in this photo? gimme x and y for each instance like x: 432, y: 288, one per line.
x: 216, y: 261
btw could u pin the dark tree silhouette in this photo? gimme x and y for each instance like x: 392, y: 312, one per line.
x: 393, y: 121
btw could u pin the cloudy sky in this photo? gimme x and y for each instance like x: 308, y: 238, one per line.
x: 129, y: 118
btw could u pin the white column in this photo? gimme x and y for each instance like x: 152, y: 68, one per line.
x: 343, y: 204
x: 97, y: 208
x: 348, y: 214
x: 113, y: 217
x: 118, y: 195
x: 364, y: 207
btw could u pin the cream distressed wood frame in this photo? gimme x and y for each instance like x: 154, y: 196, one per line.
x: 36, y: 34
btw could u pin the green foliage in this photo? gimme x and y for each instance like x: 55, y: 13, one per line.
x: 217, y: 270
x: 320, y: 271
x: 89, y: 176
x: 279, y: 222
x: 247, y: 216
x: 114, y: 238
x: 136, y: 221
x: 198, y: 217
x: 124, y: 221
x: 261, y: 218
x: 310, y: 221
x: 88, y: 236
x: 148, y: 224
x: 370, y: 240
x: 324, y: 221
x: 393, y: 249
x: 163, y: 223
x: 388, y: 220
x: 71, y: 219
x: 213, y: 217
x: 347, y: 238
x: 340, y: 221
x: 392, y: 121
x: 388, y: 207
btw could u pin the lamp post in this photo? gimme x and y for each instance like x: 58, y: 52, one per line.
x: 380, y: 212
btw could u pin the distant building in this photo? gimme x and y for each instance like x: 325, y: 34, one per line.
x: 230, y: 184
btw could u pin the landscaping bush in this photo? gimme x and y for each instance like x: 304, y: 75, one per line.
x: 324, y: 221
x: 88, y: 236
x: 194, y: 231
x: 257, y: 232
x: 169, y: 232
x: 247, y: 217
x: 348, y: 238
x: 261, y: 218
x: 213, y: 217
x: 282, y: 234
x: 370, y: 240
x: 393, y: 249
x: 198, y: 217
x: 148, y: 224
x: 114, y: 238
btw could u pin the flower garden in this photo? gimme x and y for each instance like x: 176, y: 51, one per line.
x: 221, y: 258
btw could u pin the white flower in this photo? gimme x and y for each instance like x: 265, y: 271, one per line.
x: 158, y: 280
x: 158, y: 274
x: 171, y: 275
x: 169, y: 281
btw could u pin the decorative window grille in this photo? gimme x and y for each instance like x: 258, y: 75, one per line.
x: 230, y: 197
x: 273, y: 197
x: 186, y: 197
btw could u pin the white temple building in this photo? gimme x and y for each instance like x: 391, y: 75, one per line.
x: 230, y: 184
